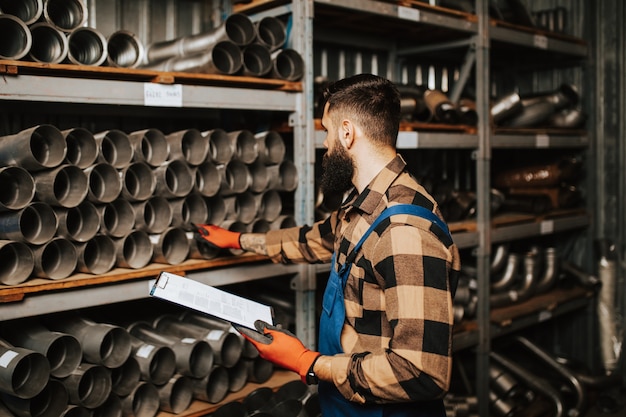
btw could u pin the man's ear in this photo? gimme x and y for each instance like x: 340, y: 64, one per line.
x: 347, y: 132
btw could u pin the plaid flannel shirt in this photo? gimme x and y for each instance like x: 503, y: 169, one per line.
x: 397, y: 336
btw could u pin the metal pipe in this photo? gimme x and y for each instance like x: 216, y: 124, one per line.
x: 466, y: 109
x: 117, y: 218
x: 271, y: 147
x: 194, y: 357
x: 157, y: 363
x: 138, y: 182
x: 188, y: 145
x: 607, y: 307
x: 441, y: 107
x: 56, y: 259
x: 80, y: 223
x: 269, y: 204
x: 235, y: 177
x: 288, y: 65
x: 104, y: 182
x: 25, y: 372
x: 114, y: 147
x: 221, y: 148
x: 283, y: 177
x: 259, y: 226
x: 88, y: 385
x: 18, y: 262
x: 66, y: 15
x: 49, y: 44
x: 207, y: 179
x: 18, y: 188
x: 134, y: 250
x: 237, y: 376
x: 173, y: 179
x: 258, y: 400
x: 230, y: 409
x: 112, y: 407
x: 550, y: 271
x: 103, y: 344
x: 213, y: 387
x: 508, y: 276
x: 36, y: 148
x: 176, y: 395
x: 16, y: 38
x: 124, y: 49
x: 245, y: 145
x: 64, y: 186
x: 28, y: 11
x: 257, y: 60
x: 96, y: 256
x: 583, y: 278
x: 73, y: 410
x: 142, y: 402
x: 226, y: 346
x: 412, y: 105
x: 153, y: 215
x: 150, y: 146
x: 568, y: 118
x: 35, y: 224
x: 87, y: 46
x: 259, y: 177
x: 170, y: 247
x: 224, y: 57
x: 217, y: 209
x: 506, y: 107
x: 50, y: 402
x: 191, y: 209
x: 124, y: 379
x: 82, y: 150
x: 236, y: 28
x: 259, y: 370
x: 270, y: 32
x: 284, y: 221
x: 293, y: 390
x: 499, y: 257
x: 288, y: 408
x: 246, y: 207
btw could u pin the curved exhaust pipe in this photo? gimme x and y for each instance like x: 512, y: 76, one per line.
x: 157, y: 363
x: 221, y: 148
x: 89, y: 385
x: 96, y: 256
x: 125, y: 50
x: 117, y: 218
x: 64, y: 186
x: 568, y: 118
x: 18, y: 188
x: 56, y: 259
x: 583, y: 278
x: 82, y: 149
x: 114, y: 148
x: 142, y: 402
x: 499, y: 258
x: 138, y: 182
x: 283, y: 177
x: 28, y: 11
x: 153, y: 215
x: 18, y: 262
x: 191, y: 209
x: 188, y: 145
x: 245, y: 145
x: 213, y: 388
x: 176, y: 395
x: 235, y: 177
x: 270, y: 32
x: 124, y: 379
x: 150, y: 146
x: 26, y: 371
x: 207, y: 179
x: 288, y: 65
x: 223, y: 58
x: 134, y: 250
x: 18, y: 39
x: 194, y: 358
x: 50, y: 45
x: 87, y: 46
x: 102, y: 343
x: 173, y: 179
x: 271, y: 147
x: 506, y: 107
x: 170, y: 247
x: 257, y: 60
x: 509, y: 275
x: 525, y: 289
x: 35, y: 149
x: 104, y: 183
x: 550, y: 271
x: 50, y: 402
x: 80, y: 223
x: 65, y: 15
x: 35, y: 224
x: 259, y: 177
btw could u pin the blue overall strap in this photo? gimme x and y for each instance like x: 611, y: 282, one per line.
x: 410, y: 209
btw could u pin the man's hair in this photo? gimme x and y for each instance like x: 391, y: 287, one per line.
x: 372, y: 101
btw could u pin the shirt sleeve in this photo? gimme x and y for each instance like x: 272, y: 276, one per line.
x: 412, y: 271
x: 304, y: 244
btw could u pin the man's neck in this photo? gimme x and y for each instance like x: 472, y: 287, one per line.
x: 369, y: 165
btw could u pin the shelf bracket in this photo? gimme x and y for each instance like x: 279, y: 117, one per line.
x: 470, y: 60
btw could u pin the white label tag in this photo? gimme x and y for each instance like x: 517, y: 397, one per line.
x: 546, y: 227
x: 408, y: 13
x: 188, y: 340
x: 407, y: 140
x: 542, y: 141
x: 214, y: 335
x: 7, y: 357
x: 144, y: 351
x: 540, y: 41
x: 162, y: 95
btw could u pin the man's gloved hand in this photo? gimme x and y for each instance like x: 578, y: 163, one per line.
x: 217, y: 236
x: 283, y: 348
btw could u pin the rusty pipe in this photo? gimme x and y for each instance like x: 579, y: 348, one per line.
x: 191, y: 209
x: 134, y: 250
x: 49, y: 45
x: 245, y: 145
x: 221, y: 148
x: 87, y: 46
x: 235, y: 177
x: 157, y: 363
x: 55, y: 259
x: 213, y: 387
x: 64, y: 186
x: 176, y: 395
x: 138, y: 182
x: 103, y: 344
x: 80, y: 223
x: 81, y: 147
x: 236, y: 28
x: 35, y: 224
x: 117, y: 218
x: 88, y: 385
x: 24, y: 372
x: 194, y: 357
x: 171, y: 246
x: 18, y: 262
x: 104, y: 183
x: 153, y: 215
x: 125, y: 50
x: 114, y: 148
x: 283, y: 177
x: 97, y: 255
x: 150, y: 146
x: 188, y: 145
x: 271, y: 147
x: 223, y: 58
x: 173, y: 179
x: 28, y: 11
x: 207, y: 179
x: 288, y: 64
x: 66, y: 15
x: 257, y: 60
x: 270, y: 32
x: 50, y: 402
x: 259, y: 177
x: 17, y: 39
x: 124, y: 379
x: 226, y: 346
x: 18, y: 188
x: 143, y: 401
x: 37, y: 148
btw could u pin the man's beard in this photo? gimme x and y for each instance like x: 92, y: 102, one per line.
x: 338, y: 170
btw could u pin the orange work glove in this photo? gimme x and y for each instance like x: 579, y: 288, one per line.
x: 217, y: 236
x: 282, y: 348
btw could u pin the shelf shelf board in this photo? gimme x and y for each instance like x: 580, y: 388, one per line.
x: 539, y: 138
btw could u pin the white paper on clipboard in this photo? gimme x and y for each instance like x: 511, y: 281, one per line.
x: 210, y: 300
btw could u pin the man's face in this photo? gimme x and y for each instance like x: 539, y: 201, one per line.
x: 337, y: 164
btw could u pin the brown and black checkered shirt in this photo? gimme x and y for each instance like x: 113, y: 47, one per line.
x: 397, y: 336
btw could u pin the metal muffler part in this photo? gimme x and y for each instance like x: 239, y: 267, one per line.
x: 18, y: 262
x: 191, y: 209
x: 134, y: 250
x: 188, y: 145
x: 16, y: 38
x: 112, y: 407
x: 217, y: 209
x: 173, y: 179
x: 125, y: 50
x: 88, y: 385
x: 153, y: 215
x: 283, y: 221
x: 50, y: 402
x: 245, y: 145
x: 259, y: 177
x: 223, y: 58
x: 283, y: 177
x: 170, y: 247
x: 80, y: 223
x: 257, y: 60
x: 17, y: 189
x: 235, y: 177
x: 35, y: 149
x: 104, y: 183
x: 25, y: 371
x: 87, y: 46
x: 142, y: 402
x: 213, y: 388
x: 124, y: 379
x: 157, y: 363
x: 96, y: 256
x: 176, y: 395
x: 270, y: 205
x: 150, y: 146
x: 259, y: 370
x: 82, y: 149
x: 221, y: 148
x: 35, y: 224
x: 55, y: 259
x: 138, y: 182
x: 117, y: 218
x: 64, y: 186
x: 207, y: 179
x: 114, y: 148
x: 271, y: 147
x: 50, y: 45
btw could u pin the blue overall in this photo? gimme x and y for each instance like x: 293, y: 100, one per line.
x: 333, y: 315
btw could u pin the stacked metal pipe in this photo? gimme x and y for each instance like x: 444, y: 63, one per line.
x: 73, y: 201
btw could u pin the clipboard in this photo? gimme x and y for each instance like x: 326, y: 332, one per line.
x: 239, y: 311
